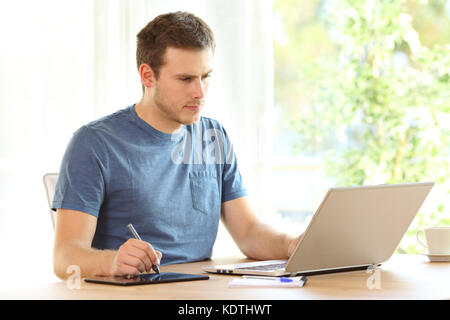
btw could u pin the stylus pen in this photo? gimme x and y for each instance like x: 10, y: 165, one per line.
x: 155, y: 267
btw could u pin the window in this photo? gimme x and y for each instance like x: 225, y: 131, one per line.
x: 361, y: 97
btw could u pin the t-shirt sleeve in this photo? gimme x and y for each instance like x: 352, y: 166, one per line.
x: 232, y: 184
x: 81, y: 183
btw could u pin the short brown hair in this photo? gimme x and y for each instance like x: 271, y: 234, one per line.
x: 179, y: 30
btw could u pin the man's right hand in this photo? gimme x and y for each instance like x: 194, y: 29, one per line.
x: 134, y: 257
x: 73, y: 246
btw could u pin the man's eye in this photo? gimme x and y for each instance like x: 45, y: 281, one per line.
x: 188, y: 79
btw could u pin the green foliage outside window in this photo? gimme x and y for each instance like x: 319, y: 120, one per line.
x: 376, y: 103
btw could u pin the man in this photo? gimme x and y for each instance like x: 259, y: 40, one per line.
x: 158, y: 165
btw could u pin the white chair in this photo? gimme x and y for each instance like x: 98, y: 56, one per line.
x: 50, y: 180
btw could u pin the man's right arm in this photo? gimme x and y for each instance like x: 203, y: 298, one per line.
x: 74, y: 233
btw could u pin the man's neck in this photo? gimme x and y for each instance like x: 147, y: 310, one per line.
x: 155, y: 118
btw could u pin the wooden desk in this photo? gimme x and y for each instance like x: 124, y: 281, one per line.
x: 402, y: 277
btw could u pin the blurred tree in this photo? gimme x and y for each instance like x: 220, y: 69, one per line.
x: 376, y: 101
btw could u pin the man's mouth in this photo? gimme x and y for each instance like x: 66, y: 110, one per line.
x: 193, y: 107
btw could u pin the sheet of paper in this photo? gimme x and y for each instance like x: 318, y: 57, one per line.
x: 252, y: 283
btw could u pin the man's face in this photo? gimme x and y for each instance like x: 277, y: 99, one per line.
x: 180, y: 91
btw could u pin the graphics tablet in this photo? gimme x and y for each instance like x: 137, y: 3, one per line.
x: 149, y: 278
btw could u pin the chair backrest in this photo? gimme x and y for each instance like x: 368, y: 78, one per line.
x: 50, y: 180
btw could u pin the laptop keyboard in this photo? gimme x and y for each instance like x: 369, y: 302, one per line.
x: 265, y: 267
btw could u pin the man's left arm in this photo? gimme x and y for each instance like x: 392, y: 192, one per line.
x: 254, y: 238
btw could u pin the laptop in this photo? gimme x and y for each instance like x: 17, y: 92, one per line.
x: 354, y: 228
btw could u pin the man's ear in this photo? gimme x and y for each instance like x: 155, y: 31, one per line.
x: 147, y: 75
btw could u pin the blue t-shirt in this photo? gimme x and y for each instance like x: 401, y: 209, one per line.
x: 170, y: 187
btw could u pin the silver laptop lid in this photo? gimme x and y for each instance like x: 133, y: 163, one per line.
x: 357, y: 226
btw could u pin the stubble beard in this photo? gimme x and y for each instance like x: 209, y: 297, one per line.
x: 171, y: 112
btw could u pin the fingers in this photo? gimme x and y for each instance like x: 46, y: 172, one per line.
x: 293, y: 244
x: 139, y: 258
x: 123, y: 269
x: 159, y: 256
x: 148, y: 250
x: 136, y: 256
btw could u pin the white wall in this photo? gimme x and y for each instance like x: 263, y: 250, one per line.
x: 65, y: 63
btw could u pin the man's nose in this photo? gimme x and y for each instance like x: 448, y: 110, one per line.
x: 198, y: 89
